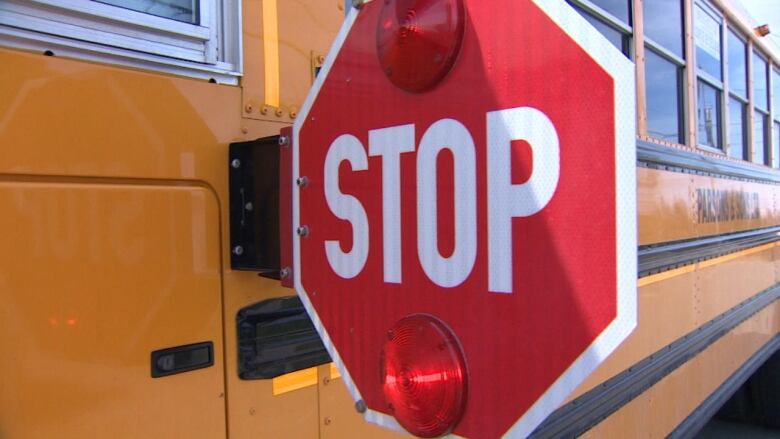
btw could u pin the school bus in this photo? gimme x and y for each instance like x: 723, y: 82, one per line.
x: 142, y: 290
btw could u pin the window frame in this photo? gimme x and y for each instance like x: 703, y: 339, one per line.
x: 681, y: 85
x: 101, y: 32
x: 681, y: 65
x: 718, y: 84
x: 774, y: 112
x: 730, y: 29
x: 585, y: 7
x: 763, y: 113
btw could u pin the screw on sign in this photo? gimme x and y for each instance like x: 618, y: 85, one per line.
x: 468, y: 222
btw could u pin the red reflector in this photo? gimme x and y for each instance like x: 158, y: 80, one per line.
x: 424, y: 376
x: 418, y: 40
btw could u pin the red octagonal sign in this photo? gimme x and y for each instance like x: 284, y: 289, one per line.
x: 465, y: 210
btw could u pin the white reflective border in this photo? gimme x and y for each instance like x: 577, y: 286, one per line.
x: 372, y: 416
x: 622, y: 71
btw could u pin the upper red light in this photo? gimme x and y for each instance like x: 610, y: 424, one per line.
x: 418, y: 41
x: 424, y: 376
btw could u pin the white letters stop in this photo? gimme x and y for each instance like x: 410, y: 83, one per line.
x: 505, y: 199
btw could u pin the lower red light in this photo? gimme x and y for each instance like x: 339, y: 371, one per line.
x: 418, y: 41
x: 424, y: 376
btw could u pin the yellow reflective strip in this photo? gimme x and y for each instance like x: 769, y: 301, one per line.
x: 647, y: 280
x: 334, y: 372
x: 294, y: 381
x: 739, y: 254
x: 653, y: 278
x: 271, y: 52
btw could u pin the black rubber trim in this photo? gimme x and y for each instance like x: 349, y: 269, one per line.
x: 699, y: 417
x: 679, y: 160
x: 661, y: 257
x: 581, y: 414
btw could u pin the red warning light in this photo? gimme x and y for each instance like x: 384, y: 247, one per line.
x: 418, y: 41
x: 424, y: 376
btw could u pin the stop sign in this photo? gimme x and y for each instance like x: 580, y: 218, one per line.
x: 465, y: 210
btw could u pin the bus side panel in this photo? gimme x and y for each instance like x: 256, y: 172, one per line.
x: 676, y: 206
x: 93, y: 279
x: 662, y: 407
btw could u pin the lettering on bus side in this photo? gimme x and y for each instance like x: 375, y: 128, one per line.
x: 714, y: 205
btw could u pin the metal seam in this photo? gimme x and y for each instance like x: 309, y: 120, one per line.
x: 653, y: 261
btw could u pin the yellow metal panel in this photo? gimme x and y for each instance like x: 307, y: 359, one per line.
x: 254, y: 410
x: 93, y: 278
x: 758, y: 196
x: 656, y: 412
x: 723, y: 286
x: 663, y: 206
x: 338, y: 417
x: 671, y: 299
x: 279, y: 50
x: 670, y: 205
x: 676, y: 305
x: 64, y: 117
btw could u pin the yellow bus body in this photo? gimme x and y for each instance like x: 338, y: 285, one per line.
x: 114, y: 219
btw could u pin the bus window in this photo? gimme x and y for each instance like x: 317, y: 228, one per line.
x: 664, y: 64
x: 707, y: 41
x: 663, y: 97
x: 617, y: 8
x: 196, y: 38
x: 708, y: 114
x: 179, y: 10
x: 776, y: 113
x: 738, y: 100
x: 761, y: 110
x: 611, y: 18
x: 664, y: 24
x: 737, y: 134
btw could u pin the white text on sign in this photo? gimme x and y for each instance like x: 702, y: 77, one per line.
x: 505, y: 199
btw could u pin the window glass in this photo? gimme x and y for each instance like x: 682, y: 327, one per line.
x: 663, y: 24
x: 618, y: 8
x: 180, y: 10
x: 759, y: 137
x: 759, y: 82
x: 776, y: 145
x: 776, y: 93
x: 663, y: 97
x: 737, y: 65
x: 617, y: 38
x: 708, y: 102
x: 737, y: 141
x: 707, y: 41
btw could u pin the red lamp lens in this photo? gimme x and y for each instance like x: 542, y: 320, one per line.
x: 424, y: 376
x: 418, y: 40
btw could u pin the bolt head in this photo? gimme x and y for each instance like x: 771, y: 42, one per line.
x: 302, y: 181
x: 303, y: 231
x: 284, y: 140
x: 238, y: 250
x: 360, y: 406
x: 285, y: 272
x: 235, y: 163
x: 249, y: 206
